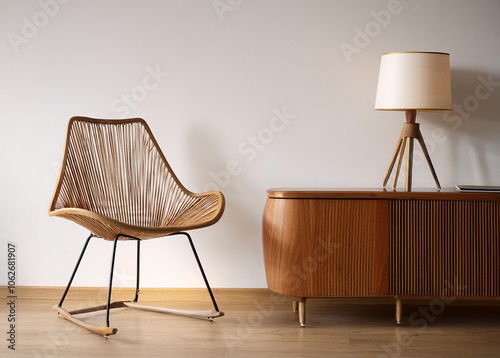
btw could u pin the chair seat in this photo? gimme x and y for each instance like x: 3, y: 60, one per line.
x: 108, y: 228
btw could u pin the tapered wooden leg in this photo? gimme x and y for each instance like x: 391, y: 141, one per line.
x: 302, y: 313
x: 295, y: 306
x: 400, y: 161
x: 301, y: 302
x: 393, y: 160
x: 399, y: 308
x: 426, y: 153
x: 409, y: 164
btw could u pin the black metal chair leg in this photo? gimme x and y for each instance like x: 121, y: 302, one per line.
x: 76, y: 269
x: 201, y: 268
x: 111, y: 280
x: 138, y: 270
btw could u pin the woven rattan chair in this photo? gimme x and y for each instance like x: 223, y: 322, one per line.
x: 115, y: 181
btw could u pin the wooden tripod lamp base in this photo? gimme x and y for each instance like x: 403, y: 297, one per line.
x: 410, y: 132
x: 412, y: 81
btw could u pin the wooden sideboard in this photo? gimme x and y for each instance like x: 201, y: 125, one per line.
x: 381, y: 243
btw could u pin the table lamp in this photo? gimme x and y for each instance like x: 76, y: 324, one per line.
x: 411, y: 82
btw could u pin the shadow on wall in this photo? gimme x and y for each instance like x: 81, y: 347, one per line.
x: 475, y: 119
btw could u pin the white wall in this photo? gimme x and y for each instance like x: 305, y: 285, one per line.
x: 222, y: 75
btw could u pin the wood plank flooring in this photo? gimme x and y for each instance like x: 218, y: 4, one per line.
x: 258, y: 324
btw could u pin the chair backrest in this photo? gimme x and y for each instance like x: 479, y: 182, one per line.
x: 116, y: 168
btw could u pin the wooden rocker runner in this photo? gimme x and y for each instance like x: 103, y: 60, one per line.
x: 115, y: 181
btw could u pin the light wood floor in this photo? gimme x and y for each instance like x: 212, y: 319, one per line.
x: 259, y: 324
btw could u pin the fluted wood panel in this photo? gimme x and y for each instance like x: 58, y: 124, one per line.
x: 315, y: 248
x: 478, y: 265
x: 448, y: 247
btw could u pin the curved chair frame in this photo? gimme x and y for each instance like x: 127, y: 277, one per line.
x: 115, y: 181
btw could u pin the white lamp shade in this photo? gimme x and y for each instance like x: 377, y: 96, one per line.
x: 414, y: 80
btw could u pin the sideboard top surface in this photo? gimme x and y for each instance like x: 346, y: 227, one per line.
x: 380, y: 193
